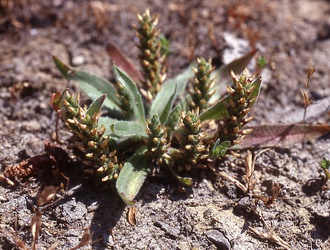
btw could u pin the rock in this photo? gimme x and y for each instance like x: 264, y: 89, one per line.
x: 218, y: 239
x: 168, y: 229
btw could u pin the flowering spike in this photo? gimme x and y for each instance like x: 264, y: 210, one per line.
x: 240, y: 101
x: 151, y: 59
x: 201, y: 91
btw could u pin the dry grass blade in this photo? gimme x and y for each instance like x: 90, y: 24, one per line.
x: 310, y: 72
x: 249, y: 169
x: 6, y: 180
x: 35, y: 228
x: 233, y: 180
x: 271, y: 236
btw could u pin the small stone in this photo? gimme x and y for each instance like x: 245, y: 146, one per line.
x: 218, y: 239
x: 172, y: 232
x: 78, y: 60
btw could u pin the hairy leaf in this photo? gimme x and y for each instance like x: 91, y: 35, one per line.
x: 92, y: 85
x: 133, y: 93
x: 282, y: 135
x: 96, y: 105
x: 180, y: 81
x: 133, y: 175
x: 162, y: 104
x: 128, y: 129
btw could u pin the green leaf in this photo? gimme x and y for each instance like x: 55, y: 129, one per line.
x: 325, y: 163
x: 128, y: 129
x: 280, y: 135
x: 92, y: 85
x: 133, y: 93
x: 256, y: 92
x: 107, y: 121
x: 165, y: 45
x: 219, y: 110
x: 222, y: 75
x: 133, y: 175
x: 162, y: 104
x: 219, y: 149
x: 180, y: 81
x: 96, y: 105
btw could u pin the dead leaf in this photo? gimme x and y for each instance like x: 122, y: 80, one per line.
x: 123, y: 62
x: 131, y: 216
x: 45, y: 195
x: 280, y: 135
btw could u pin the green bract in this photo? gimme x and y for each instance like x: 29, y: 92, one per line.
x: 174, y: 124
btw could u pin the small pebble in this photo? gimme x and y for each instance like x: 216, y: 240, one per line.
x: 218, y: 239
x: 78, y: 60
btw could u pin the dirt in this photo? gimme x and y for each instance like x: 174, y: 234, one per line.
x: 214, y: 213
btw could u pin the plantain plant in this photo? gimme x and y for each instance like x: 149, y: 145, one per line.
x: 175, y: 124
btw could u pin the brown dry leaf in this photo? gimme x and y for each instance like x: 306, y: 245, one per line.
x: 45, y: 195
x: 280, y: 135
x: 123, y: 62
x: 27, y: 168
x: 39, y: 164
x: 131, y: 216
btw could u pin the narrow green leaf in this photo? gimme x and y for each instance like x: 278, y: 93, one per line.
x: 162, y: 104
x: 180, y: 81
x: 222, y: 75
x: 96, y: 105
x: 217, y: 111
x: 133, y: 93
x: 133, y: 175
x: 280, y: 135
x: 256, y: 91
x: 92, y: 85
x: 128, y: 129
